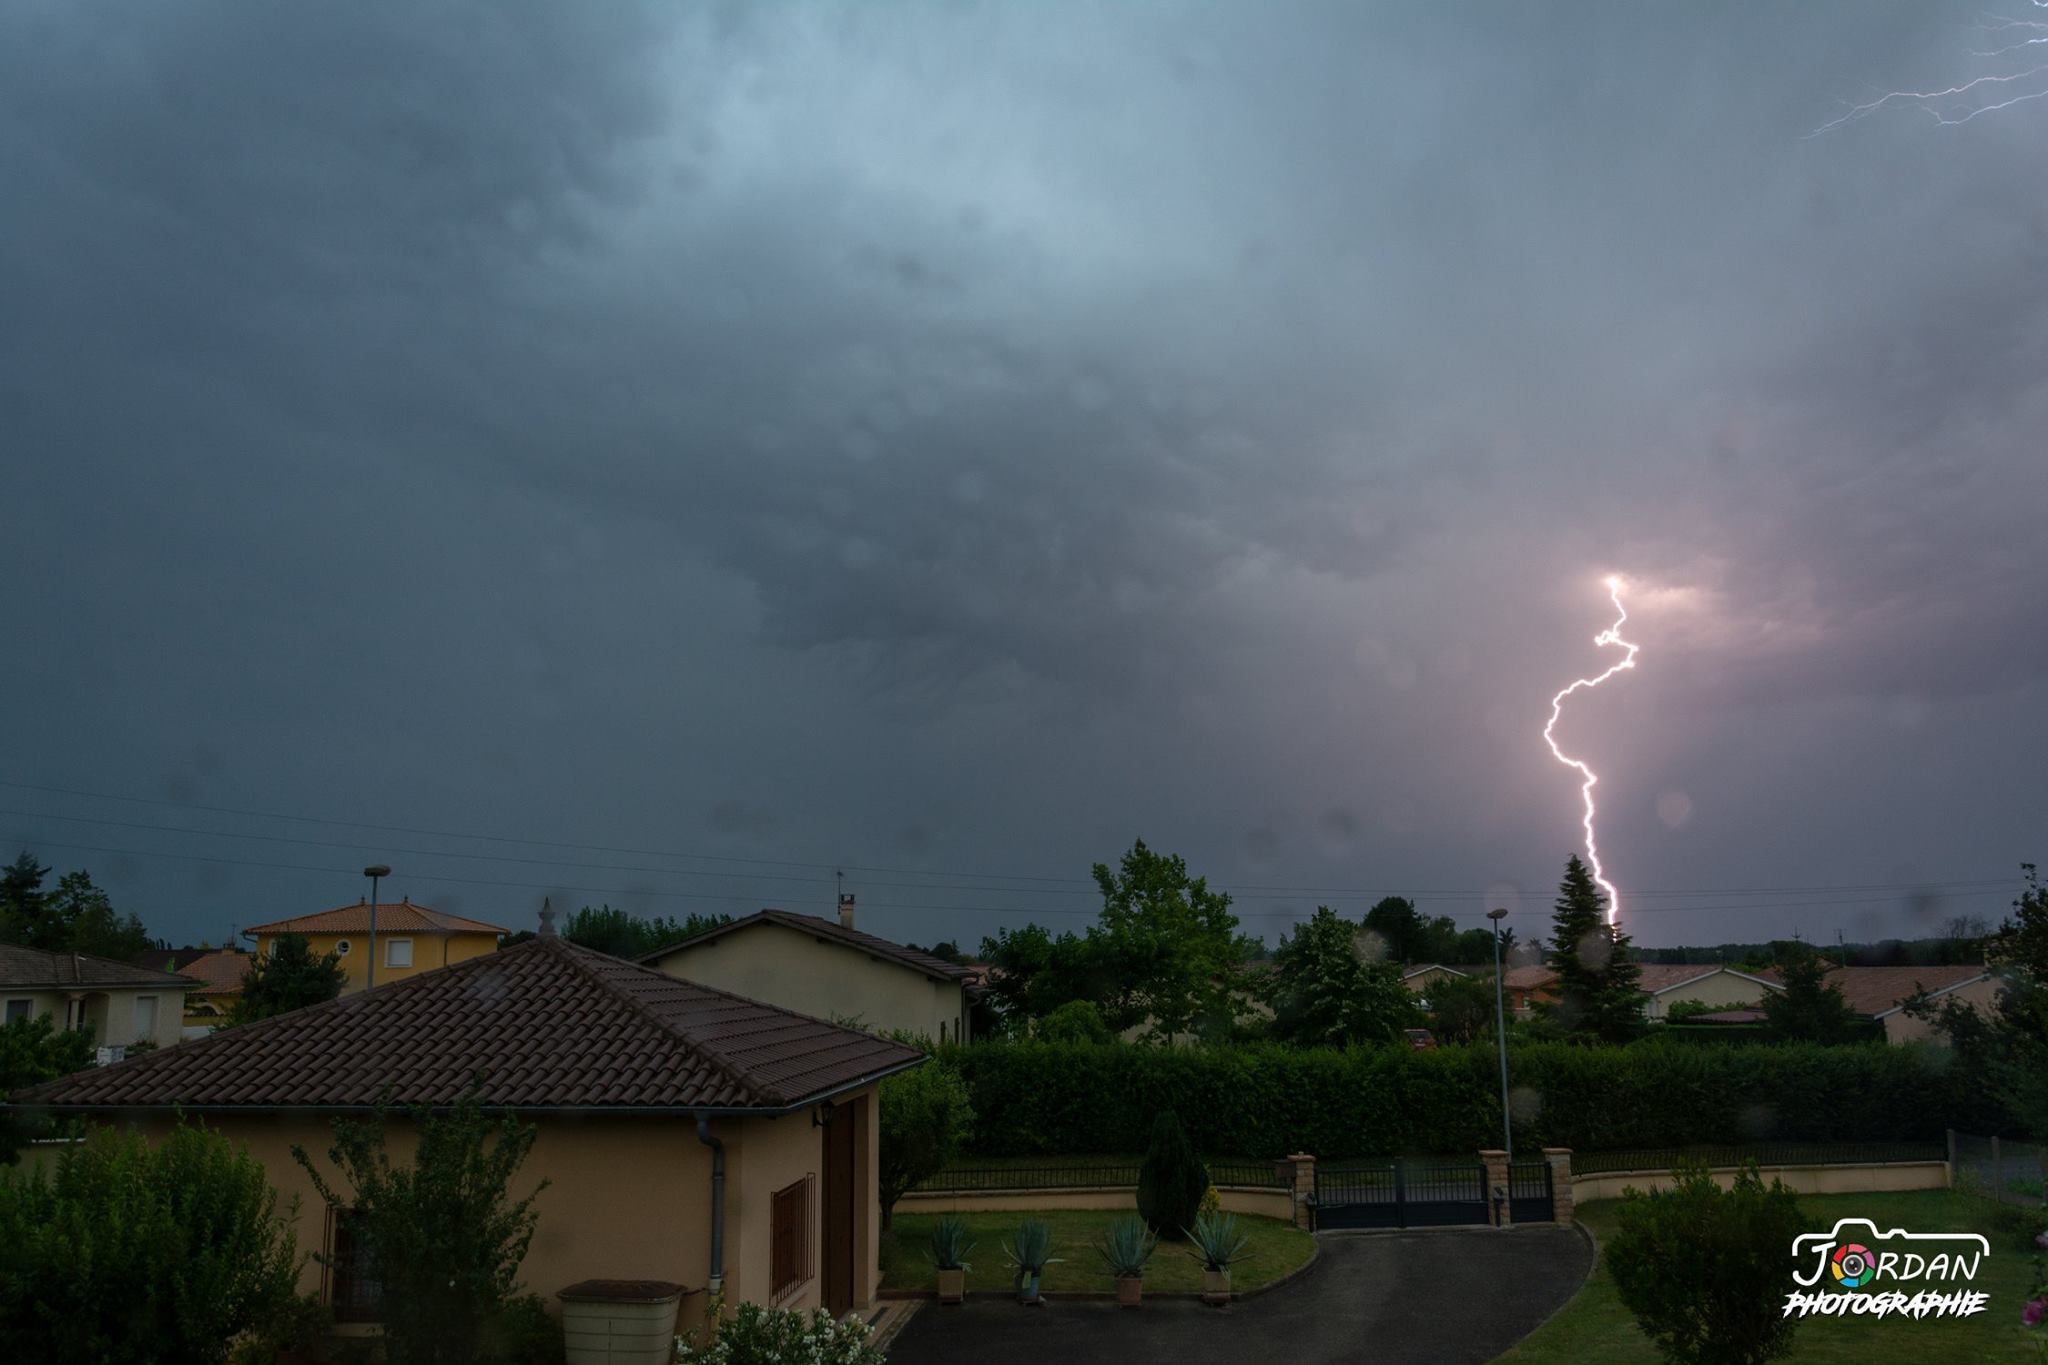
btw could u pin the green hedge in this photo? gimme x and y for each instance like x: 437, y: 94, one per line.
x: 1266, y: 1100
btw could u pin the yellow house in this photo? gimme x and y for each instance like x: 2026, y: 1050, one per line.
x: 410, y: 938
x: 219, y: 974
x: 829, y: 970
x: 687, y: 1136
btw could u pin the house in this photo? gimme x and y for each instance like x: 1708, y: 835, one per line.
x: 827, y: 968
x: 1881, y: 993
x: 410, y: 938
x: 1665, y: 984
x: 686, y: 1134
x: 120, y: 1004
x: 1420, y: 977
x: 1529, y: 986
x: 219, y: 974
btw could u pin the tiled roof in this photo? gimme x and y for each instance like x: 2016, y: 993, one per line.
x: 1663, y: 976
x: 402, y: 918
x: 548, y: 1024
x: 1535, y: 977
x: 219, y: 972
x: 34, y: 968
x: 1879, y: 990
x: 882, y: 948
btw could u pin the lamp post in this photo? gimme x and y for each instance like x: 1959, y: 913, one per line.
x: 374, y: 872
x: 1500, y: 1033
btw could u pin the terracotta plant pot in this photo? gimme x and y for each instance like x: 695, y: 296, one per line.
x: 952, y: 1285
x: 1215, y: 1285
x: 1130, y: 1290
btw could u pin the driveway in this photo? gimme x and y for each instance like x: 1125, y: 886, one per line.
x: 1448, y: 1296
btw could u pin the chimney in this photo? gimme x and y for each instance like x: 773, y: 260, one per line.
x: 846, y: 910
x: 547, y: 918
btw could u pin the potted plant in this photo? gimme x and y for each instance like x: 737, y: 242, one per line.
x: 1029, y: 1253
x: 1125, y: 1247
x: 949, y: 1250
x: 1217, y: 1238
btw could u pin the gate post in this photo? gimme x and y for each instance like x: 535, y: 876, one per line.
x: 1562, y: 1199
x: 1304, y: 1188
x: 1496, y: 1164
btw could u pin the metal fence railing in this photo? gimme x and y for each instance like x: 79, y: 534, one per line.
x: 1111, y: 1172
x: 2000, y: 1168
x: 1763, y: 1153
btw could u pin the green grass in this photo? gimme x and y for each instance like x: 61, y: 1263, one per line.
x: 1274, y: 1250
x: 1595, y: 1329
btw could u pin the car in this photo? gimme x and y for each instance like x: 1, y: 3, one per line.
x: 1420, y: 1039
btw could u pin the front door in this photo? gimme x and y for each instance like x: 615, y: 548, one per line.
x: 846, y: 1121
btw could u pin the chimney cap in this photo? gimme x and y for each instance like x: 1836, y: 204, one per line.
x: 547, y: 917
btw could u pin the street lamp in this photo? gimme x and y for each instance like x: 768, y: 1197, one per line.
x: 373, y: 872
x: 1500, y: 1032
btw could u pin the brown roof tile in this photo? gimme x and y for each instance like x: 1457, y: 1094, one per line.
x: 867, y: 943
x: 36, y: 968
x: 1878, y: 990
x: 548, y: 1025
x: 220, y: 972
x: 401, y: 918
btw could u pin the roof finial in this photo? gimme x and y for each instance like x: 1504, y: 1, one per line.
x: 547, y: 918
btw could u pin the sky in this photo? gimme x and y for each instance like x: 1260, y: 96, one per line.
x: 661, y: 455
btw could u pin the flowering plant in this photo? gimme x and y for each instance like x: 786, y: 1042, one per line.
x: 775, y: 1336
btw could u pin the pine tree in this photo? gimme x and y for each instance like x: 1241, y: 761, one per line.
x: 1809, y: 1008
x: 1597, y: 992
x: 1172, y: 1180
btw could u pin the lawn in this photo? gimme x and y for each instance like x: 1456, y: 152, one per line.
x: 1274, y: 1250
x: 1594, y: 1328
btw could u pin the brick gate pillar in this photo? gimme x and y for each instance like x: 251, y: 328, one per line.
x: 1496, y: 1163
x: 1304, y: 1164
x: 1561, y: 1195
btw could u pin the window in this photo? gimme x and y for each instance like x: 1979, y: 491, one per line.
x: 145, y: 1016
x: 20, y: 1009
x: 354, y: 1292
x: 341, y: 947
x: 789, y: 1255
x: 398, y: 952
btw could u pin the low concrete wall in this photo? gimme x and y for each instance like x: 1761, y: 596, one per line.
x: 1890, y: 1175
x: 1259, y: 1203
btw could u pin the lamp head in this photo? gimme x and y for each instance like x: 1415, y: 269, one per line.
x: 379, y: 870
x: 1497, y: 914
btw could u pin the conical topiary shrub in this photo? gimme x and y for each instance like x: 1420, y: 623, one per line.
x: 1172, y: 1180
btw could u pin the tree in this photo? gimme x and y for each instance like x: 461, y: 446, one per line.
x: 1399, y: 926
x: 1032, y: 973
x: 1809, y: 1008
x: 445, y: 1233
x: 21, y: 902
x: 164, y: 1253
x: 621, y: 933
x: 286, y: 978
x: 1462, y: 1009
x: 86, y: 920
x: 1169, y: 945
x: 32, y: 1051
x: 1327, y: 990
x: 1597, y: 994
x: 1077, y: 1021
x: 1706, y: 1271
x: 2009, y: 1050
x: 925, y: 1119
x: 1171, y: 1180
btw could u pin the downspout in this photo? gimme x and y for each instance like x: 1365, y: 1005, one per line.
x: 717, y: 1284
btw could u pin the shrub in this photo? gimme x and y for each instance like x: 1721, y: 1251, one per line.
x: 1077, y: 1021
x: 32, y: 1051
x: 1172, y: 1179
x: 925, y: 1119
x: 775, y: 1336
x: 165, y: 1253
x: 1705, y: 1271
x: 446, y: 1228
x: 525, y: 1333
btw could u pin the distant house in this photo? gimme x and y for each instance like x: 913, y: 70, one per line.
x: 117, y: 1003
x: 1529, y: 986
x: 219, y: 974
x: 1881, y: 993
x: 658, y: 1102
x: 829, y: 969
x: 410, y: 938
x: 1419, y: 978
x: 1665, y: 984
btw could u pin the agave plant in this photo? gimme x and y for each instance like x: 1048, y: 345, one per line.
x: 1217, y: 1238
x: 949, y: 1243
x: 1126, y: 1246
x: 1030, y: 1251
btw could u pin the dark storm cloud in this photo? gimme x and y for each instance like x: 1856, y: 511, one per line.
x: 1204, y: 419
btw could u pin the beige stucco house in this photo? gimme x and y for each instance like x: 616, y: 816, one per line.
x: 829, y: 969
x: 1881, y: 993
x: 687, y: 1135
x: 118, y: 1003
x: 1665, y: 984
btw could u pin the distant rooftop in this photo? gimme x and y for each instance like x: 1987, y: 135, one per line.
x: 401, y: 918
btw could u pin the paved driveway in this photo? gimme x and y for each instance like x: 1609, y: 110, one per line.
x: 1443, y: 1297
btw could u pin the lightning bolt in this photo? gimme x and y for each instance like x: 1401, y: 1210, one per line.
x: 1609, y: 636
x: 1985, y: 94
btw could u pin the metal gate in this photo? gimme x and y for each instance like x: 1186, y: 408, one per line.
x: 1530, y: 1196
x: 1401, y: 1194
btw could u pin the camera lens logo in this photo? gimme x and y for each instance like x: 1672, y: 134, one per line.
x: 1853, y: 1265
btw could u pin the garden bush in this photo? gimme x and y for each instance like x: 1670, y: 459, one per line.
x: 1265, y: 1100
x: 776, y: 1336
x: 1172, y: 1180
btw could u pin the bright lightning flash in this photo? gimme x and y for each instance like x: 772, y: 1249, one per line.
x: 1609, y: 636
x: 2020, y: 41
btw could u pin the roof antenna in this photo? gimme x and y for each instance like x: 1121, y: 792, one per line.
x: 838, y: 885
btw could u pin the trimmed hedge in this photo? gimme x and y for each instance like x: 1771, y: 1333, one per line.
x: 1265, y: 1100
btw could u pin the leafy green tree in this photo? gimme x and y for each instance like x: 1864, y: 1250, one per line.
x: 1034, y: 973
x: 21, y: 903
x: 1462, y: 1009
x: 133, y: 1252
x: 1597, y: 993
x: 1809, y: 1009
x: 2008, y: 1051
x: 1168, y: 944
x: 445, y: 1233
x: 624, y: 934
x: 34, y: 1050
x: 1706, y: 1271
x: 1327, y: 990
x: 1077, y: 1021
x: 88, y: 924
x: 288, y: 977
x: 1399, y: 925
x: 1171, y: 1180
x: 925, y: 1120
